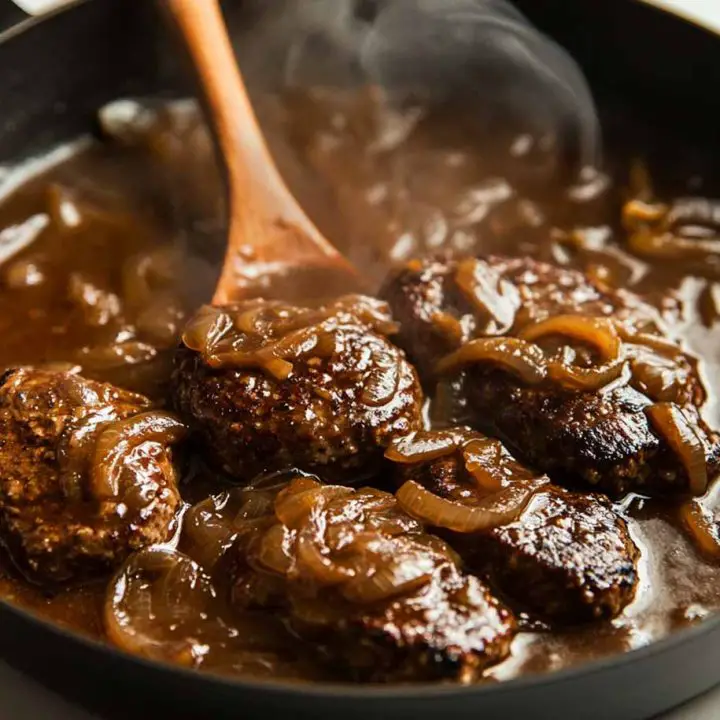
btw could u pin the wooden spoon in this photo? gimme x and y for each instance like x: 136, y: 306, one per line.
x: 269, y: 233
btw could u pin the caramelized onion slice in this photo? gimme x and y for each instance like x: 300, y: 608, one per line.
x: 493, y: 297
x: 276, y: 358
x: 381, y: 383
x: 423, y: 446
x: 373, y: 313
x: 293, y: 508
x: 639, y: 213
x: 120, y: 438
x: 686, y: 230
x: 206, y: 328
x: 390, y: 567
x: 274, y: 551
x: 598, y: 332
x: 484, y: 461
x: 75, y: 450
x: 116, y: 355
x: 661, y: 378
x: 515, y: 355
x: 206, y: 335
x: 448, y: 327
x: 497, y: 509
x: 583, y: 379
x: 660, y: 368
x: 293, y: 345
x: 268, y: 485
x: 699, y: 518
x: 271, y: 335
x: 156, y: 605
x: 313, y: 557
x: 668, y: 246
x: 673, y: 425
x: 211, y: 526
x: 386, y: 582
x: 658, y: 343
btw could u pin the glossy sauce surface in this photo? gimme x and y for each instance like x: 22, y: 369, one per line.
x: 115, y: 267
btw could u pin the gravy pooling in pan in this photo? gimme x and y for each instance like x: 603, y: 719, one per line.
x: 101, y: 276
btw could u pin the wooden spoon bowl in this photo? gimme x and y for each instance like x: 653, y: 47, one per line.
x: 271, y: 239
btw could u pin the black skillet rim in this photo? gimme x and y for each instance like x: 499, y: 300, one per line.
x: 369, y: 691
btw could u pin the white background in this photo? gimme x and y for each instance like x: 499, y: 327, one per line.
x: 706, y: 11
x: 38, y: 7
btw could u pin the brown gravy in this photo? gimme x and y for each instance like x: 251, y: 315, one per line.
x: 384, y: 186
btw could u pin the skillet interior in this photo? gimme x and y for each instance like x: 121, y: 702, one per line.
x: 622, y: 48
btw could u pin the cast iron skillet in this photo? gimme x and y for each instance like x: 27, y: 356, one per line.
x: 55, y: 73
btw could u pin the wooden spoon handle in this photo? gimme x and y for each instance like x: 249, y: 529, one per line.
x: 266, y: 221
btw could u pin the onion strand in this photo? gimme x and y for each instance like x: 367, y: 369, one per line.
x: 586, y: 379
x: 598, y: 332
x: 499, y: 509
x: 514, y: 355
x: 119, y: 438
x: 673, y: 425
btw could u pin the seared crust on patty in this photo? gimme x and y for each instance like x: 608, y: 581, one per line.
x: 346, y: 393
x: 55, y: 523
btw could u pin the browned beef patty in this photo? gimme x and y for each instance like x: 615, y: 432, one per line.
x: 363, y: 581
x: 602, y: 436
x: 564, y: 556
x: 86, y: 474
x: 319, y: 390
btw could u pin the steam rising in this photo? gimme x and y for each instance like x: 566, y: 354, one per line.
x: 480, y: 52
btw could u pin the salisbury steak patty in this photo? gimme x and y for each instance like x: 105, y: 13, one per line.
x: 441, y: 302
x: 267, y: 386
x: 562, y: 555
x: 86, y: 474
x: 569, y: 375
x: 568, y: 557
x: 603, y: 439
x: 364, y: 582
